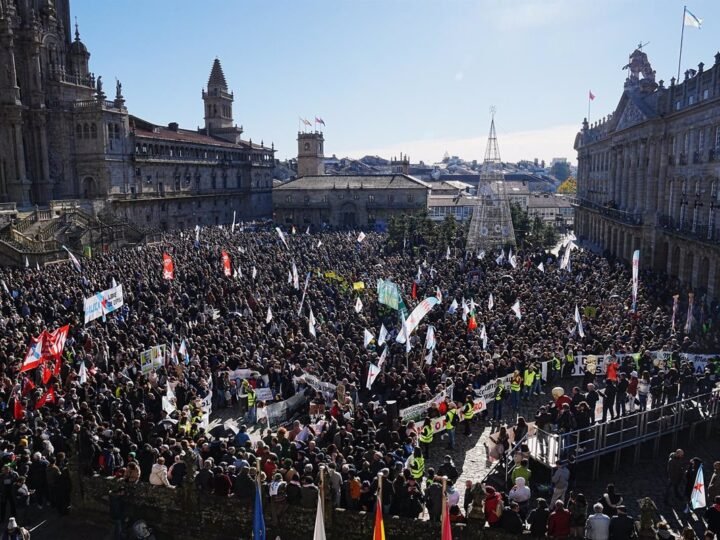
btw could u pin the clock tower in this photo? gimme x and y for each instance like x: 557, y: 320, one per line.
x: 310, y: 160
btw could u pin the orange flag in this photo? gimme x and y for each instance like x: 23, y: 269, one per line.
x: 379, y: 532
x: 168, y: 267
x: 226, y: 264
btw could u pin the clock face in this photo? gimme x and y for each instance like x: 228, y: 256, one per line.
x: 307, y: 146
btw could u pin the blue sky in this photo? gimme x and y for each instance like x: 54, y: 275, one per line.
x: 390, y: 76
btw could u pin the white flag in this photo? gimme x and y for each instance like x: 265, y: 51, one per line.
x: 516, y: 309
x: 74, y: 260
x: 319, y: 533
x: 37, y: 266
x: 319, y: 243
x: 307, y: 231
x: 473, y: 305
x: 311, y: 323
x: 373, y: 372
x: 254, y: 272
x: 483, y: 336
x: 289, y: 277
x: 419, y: 275
x: 232, y: 229
x: 447, y: 254
x: 383, y: 356
x: 500, y: 258
x: 428, y: 358
x: 295, y: 277
x: 197, y: 233
x: 438, y: 293
x: 27, y: 262
x: 453, y: 307
x: 282, y: 237
x: 367, y: 338
x: 430, y: 338
x: 361, y: 237
x: 5, y: 287
x: 114, y: 283
x: 512, y: 259
x: 401, y: 337
x: 465, y: 310
x: 383, y: 335
x: 491, y: 302
x: 565, y: 262
x: 358, y: 305
x: 578, y: 320
x: 691, y: 20
x: 541, y: 267
x: 82, y: 373
x: 268, y: 317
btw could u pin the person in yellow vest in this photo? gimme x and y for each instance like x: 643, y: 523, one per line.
x: 468, y: 412
x: 417, y: 465
x: 569, y: 366
x: 555, y: 366
x: 251, y: 402
x: 529, y: 380
x: 515, y: 387
x: 426, y: 437
x: 498, y: 397
x: 452, y: 418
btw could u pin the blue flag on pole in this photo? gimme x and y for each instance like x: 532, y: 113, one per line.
x: 258, y: 518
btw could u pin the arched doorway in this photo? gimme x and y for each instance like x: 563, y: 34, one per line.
x: 348, y: 215
x: 89, y: 188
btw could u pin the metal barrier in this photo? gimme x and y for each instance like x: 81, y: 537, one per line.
x: 602, y: 438
x: 507, y: 461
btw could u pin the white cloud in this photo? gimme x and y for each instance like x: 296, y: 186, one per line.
x: 547, y: 143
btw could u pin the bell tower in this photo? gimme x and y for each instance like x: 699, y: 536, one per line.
x: 310, y: 160
x: 218, y: 101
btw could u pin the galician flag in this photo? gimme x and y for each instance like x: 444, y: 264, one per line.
x: 516, y: 309
x: 367, y: 338
x: 541, y: 267
x: 383, y: 335
x: 430, y: 342
x: 311, y: 324
x: 578, y: 320
x: 491, y: 301
x: 268, y: 317
x: 697, y: 498
x: 692, y: 20
x: 259, y: 532
x: 483, y: 336
x: 373, y: 372
x: 358, y: 305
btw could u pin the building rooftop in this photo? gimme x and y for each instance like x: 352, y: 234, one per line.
x: 217, y: 77
x: 379, y: 181
x: 548, y: 201
x: 462, y: 199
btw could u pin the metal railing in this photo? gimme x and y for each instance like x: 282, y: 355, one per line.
x: 631, y: 218
x: 507, y: 460
x: 602, y: 438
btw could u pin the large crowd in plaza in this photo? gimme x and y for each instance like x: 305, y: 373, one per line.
x: 95, y: 404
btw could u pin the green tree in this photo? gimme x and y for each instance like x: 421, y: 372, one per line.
x: 560, y: 170
x: 521, y: 223
x: 569, y: 186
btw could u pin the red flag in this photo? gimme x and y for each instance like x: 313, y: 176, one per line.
x: 28, y: 387
x: 57, y: 368
x: 46, y: 374
x: 591, y: 96
x: 379, y: 530
x: 414, y: 290
x: 56, y: 341
x: 168, y: 267
x: 472, y: 323
x: 226, y: 264
x: 18, y: 409
x: 47, y: 397
x: 446, y: 529
x: 34, y: 356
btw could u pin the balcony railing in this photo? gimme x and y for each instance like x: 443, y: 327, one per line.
x: 701, y: 232
x: 631, y: 218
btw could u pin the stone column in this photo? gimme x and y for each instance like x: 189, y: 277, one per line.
x: 641, y: 178
x: 613, y: 175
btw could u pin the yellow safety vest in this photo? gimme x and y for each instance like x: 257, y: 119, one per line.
x: 468, y: 411
x: 514, y: 386
x: 449, y: 420
x: 570, y: 358
x: 251, y: 397
x: 499, y: 392
x: 426, y: 435
x: 417, y: 467
x: 529, y: 377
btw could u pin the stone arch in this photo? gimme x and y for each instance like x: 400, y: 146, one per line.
x: 90, y: 188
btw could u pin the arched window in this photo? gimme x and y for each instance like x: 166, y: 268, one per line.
x: 86, y: 131
x: 93, y: 131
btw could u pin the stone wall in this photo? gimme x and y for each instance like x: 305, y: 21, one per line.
x: 182, y: 515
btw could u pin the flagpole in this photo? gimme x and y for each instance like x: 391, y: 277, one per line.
x: 589, y: 100
x: 322, y: 491
x: 380, y: 484
x: 444, y: 504
x: 682, y: 35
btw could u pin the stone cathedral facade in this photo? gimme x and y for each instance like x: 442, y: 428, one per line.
x: 66, y: 134
x: 649, y: 175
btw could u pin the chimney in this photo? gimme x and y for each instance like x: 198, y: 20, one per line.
x: 173, y: 126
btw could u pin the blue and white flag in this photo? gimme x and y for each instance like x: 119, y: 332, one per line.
x: 259, y: 532
x: 383, y: 335
x: 578, y: 320
x: 692, y: 20
x: 430, y: 342
x: 183, y: 351
x: 453, y: 307
x: 367, y: 338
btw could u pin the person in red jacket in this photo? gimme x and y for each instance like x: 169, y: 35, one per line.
x: 559, y: 522
x: 493, y: 506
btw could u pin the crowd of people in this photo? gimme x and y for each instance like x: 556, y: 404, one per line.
x: 97, y: 405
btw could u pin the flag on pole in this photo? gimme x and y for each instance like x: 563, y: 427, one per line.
x: 268, y: 317
x: 183, y: 351
x: 295, y: 277
x: 481, y: 255
x: 311, y: 324
x: 484, y: 336
x: 259, y: 532
x: 383, y: 335
x: 197, y: 235
x: 5, y: 287
x: 173, y: 354
x: 379, y: 530
x: 430, y: 342
x: 373, y: 372
x: 697, y: 498
x: 500, y: 258
x: 511, y: 259
x: 541, y: 267
x: 18, y: 409
x: 47, y: 397
x: 635, y: 275
x: 74, y: 260
x: 82, y: 373
x: 254, y: 272
x: 358, y: 305
x: 367, y: 338
x: 565, y: 262
x: 491, y: 301
x: 438, y: 294
x: 383, y: 356
x: 413, y: 291
x: 27, y: 262
x: 232, y: 228
x: 676, y: 299
x: 307, y: 231
x: 56, y: 341
x: 319, y: 243
x: 453, y: 307
x: 692, y: 20
x: 578, y: 320
x: 516, y: 309
x: 34, y: 355
x: 282, y: 237
x: 465, y: 310
x: 472, y: 323
x: 447, y: 254
x: 319, y: 120
x: 226, y: 263
x: 361, y: 237
x: 591, y: 96
x: 429, y: 357
x: 689, y: 320
x: 168, y: 267
x: 319, y: 533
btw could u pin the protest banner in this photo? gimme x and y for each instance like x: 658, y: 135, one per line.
x: 153, y: 358
x: 102, y: 303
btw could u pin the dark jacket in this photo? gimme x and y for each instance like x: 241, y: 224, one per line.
x: 622, y: 527
x: 511, y: 521
x: 538, y: 520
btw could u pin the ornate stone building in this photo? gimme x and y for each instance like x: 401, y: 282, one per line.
x: 648, y: 175
x: 61, y: 137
